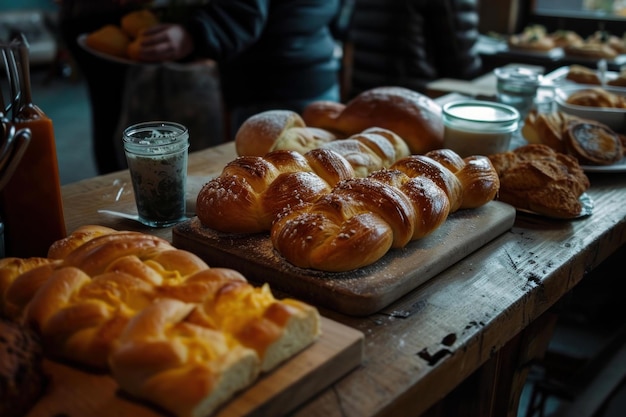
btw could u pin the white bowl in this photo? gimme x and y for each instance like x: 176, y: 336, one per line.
x: 612, y: 117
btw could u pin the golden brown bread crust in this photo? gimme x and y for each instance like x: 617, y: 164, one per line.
x: 420, y: 165
x: 188, y: 370
x: 414, y: 117
x: 244, y: 198
x: 259, y: 133
x: 172, y: 331
x: 531, y: 42
x: 324, y: 114
x: 537, y: 178
x: 479, y: 180
x: 362, y: 218
x: 583, y: 75
x: 252, y: 190
x: 61, y: 248
x: 596, y: 97
x: 593, y: 144
x: 589, y: 141
x: 22, y: 377
x: 20, y: 279
x: 591, y: 50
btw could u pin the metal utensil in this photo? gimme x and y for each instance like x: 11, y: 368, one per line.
x: 12, y: 157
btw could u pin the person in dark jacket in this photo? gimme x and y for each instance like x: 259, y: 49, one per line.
x: 409, y: 43
x: 271, y: 53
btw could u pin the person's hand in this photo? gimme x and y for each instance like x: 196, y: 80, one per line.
x: 165, y: 42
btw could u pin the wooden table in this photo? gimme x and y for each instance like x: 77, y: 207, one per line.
x: 463, y: 337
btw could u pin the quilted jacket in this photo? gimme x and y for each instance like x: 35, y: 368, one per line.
x: 411, y: 42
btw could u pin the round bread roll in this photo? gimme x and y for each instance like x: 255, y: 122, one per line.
x: 257, y: 135
x: 109, y: 39
x: 411, y: 115
x: 22, y: 377
x: 135, y: 22
x: 323, y: 114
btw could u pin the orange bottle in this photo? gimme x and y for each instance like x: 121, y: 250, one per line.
x: 30, y: 202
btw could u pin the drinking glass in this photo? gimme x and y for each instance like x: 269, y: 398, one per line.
x: 157, y: 153
x: 517, y: 87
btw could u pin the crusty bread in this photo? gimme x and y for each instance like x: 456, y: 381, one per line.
x: 593, y: 144
x: 259, y: 133
x: 171, y: 330
x: 589, y: 141
x: 583, y: 75
x: 596, y: 97
x: 22, y: 377
x: 187, y: 369
x: 252, y: 190
x: 596, y: 50
x: 361, y: 219
x: 536, y: 178
x: 413, y: 116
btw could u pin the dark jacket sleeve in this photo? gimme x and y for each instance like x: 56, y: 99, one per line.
x: 224, y: 28
x: 411, y: 42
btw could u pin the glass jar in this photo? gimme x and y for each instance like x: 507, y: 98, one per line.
x: 157, y: 154
x: 476, y: 127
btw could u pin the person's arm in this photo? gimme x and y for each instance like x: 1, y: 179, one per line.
x: 219, y: 30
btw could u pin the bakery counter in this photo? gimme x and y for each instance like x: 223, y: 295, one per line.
x: 457, y: 344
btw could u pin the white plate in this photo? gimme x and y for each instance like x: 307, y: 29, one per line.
x: 614, y: 168
x: 558, y: 77
x: 82, y: 42
x: 586, y: 210
x: 615, y: 118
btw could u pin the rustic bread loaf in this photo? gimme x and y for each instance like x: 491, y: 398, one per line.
x: 360, y: 219
x: 22, y: 378
x: 589, y: 141
x: 171, y: 330
x: 413, y: 116
x: 536, y: 178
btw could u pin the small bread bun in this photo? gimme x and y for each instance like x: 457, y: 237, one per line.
x: 258, y: 134
x: 323, y: 114
x: 583, y: 75
x: 135, y: 22
x: 110, y: 40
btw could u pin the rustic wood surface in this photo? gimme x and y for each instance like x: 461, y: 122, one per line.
x: 358, y: 292
x: 338, y: 351
x: 461, y: 323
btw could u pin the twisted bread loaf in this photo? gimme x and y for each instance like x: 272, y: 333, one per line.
x: 414, y: 117
x: 362, y: 218
x: 252, y: 190
x: 187, y: 369
x: 172, y: 330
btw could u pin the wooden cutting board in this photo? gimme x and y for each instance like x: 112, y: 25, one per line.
x: 77, y: 393
x: 362, y: 291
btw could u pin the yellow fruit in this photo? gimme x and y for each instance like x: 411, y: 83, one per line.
x: 135, y: 22
x: 133, y: 48
x: 109, y: 39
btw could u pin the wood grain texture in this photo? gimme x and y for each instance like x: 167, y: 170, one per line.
x: 423, y: 346
x: 75, y: 392
x: 359, y: 292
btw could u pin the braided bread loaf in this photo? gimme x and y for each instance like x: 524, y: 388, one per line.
x: 252, y: 190
x: 362, y: 218
x: 170, y: 329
